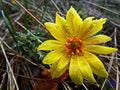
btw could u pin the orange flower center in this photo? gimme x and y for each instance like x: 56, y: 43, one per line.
x: 74, y: 46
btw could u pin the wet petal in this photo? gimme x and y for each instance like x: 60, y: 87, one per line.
x: 99, y: 39
x: 50, y: 45
x: 59, y: 67
x: 85, y: 27
x: 96, y: 65
x: 85, y: 69
x: 74, y: 21
x: 74, y: 71
x: 55, y: 32
x: 100, y: 49
x: 96, y: 26
x: 53, y: 56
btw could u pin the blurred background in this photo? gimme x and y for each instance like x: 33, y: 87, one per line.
x: 20, y: 34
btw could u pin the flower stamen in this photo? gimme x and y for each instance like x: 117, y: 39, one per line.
x: 74, y: 46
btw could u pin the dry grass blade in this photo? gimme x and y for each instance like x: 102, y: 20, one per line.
x: 66, y: 86
x: 102, y: 7
x: 85, y: 86
x: 56, y: 7
x: 117, y: 68
x: 25, y: 61
x: 29, y: 13
x: 9, y: 67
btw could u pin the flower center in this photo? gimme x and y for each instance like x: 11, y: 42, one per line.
x: 74, y: 46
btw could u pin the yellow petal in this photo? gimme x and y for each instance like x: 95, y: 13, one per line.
x: 101, y: 73
x: 74, y: 21
x: 96, y: 65
x: 53, y: 56
x: 50, y: 45
x: 58, y: 68
x: 53, y: 70
x: 63, y: 62
x: 74, y: 71
x: 85, y: 26
x: 100, y: 49
x: 55, y: 32
x: 61, y: 25
x: 60, y: 20
x: 85, y: 69
x: 96, y: 26
x: 99, y: 39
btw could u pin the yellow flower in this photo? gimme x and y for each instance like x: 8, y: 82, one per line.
x: 75, y: 47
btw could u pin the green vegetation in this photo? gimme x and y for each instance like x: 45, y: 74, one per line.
x: 20, y: 35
